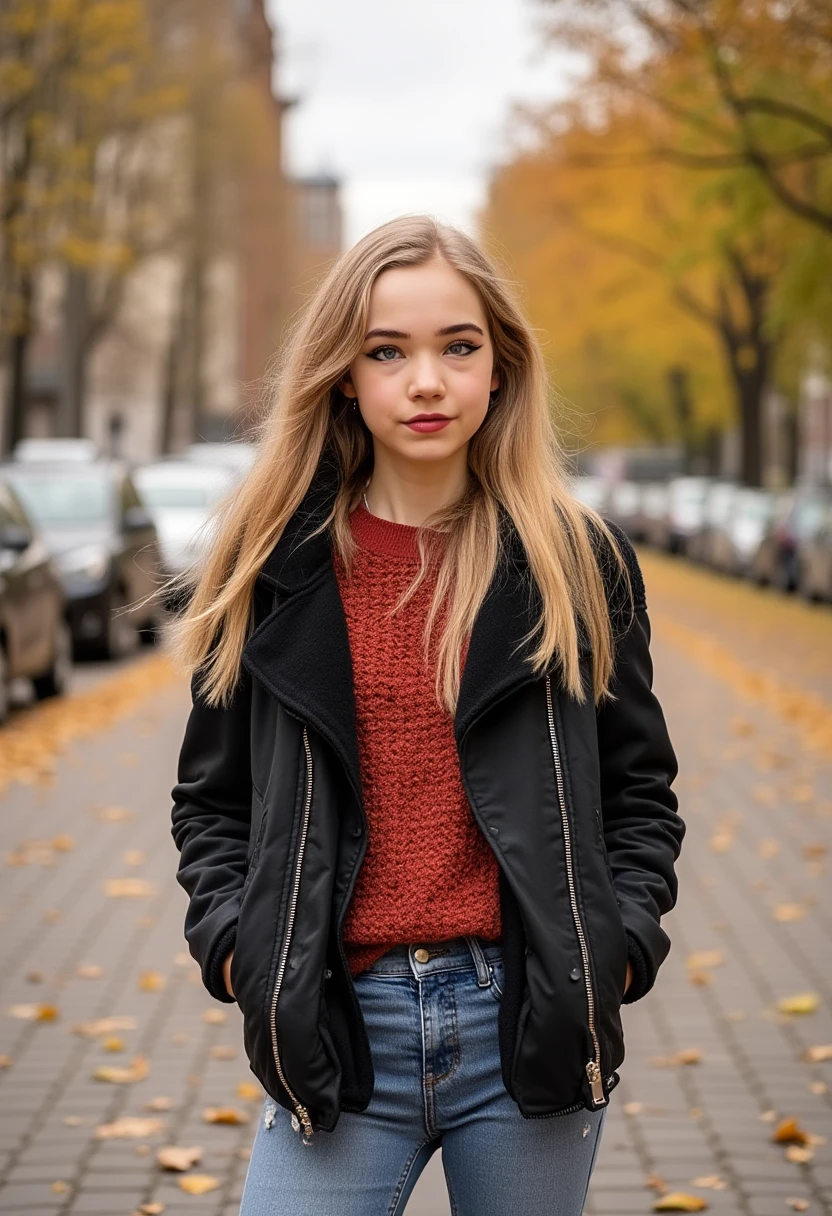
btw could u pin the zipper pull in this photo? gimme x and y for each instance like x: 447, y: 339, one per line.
x: 596, y: 1084
x: 268, y: 1118
x: 302, y: 1117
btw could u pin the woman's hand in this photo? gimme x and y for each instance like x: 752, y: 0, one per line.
x: 629, y: 978
x: 226, y: 972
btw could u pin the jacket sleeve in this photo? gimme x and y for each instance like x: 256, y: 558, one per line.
x: 210, y: 824
x: 643, y: 831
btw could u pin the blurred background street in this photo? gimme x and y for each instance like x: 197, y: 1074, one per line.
x: 175, y: 177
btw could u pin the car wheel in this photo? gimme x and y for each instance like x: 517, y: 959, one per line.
x: 5, y: 700
x: 55, y: 681
x: 122, y: 637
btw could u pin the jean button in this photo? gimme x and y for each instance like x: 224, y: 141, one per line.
x: 421, y: 955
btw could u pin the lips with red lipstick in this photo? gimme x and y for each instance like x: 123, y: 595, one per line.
x: 425, y: 423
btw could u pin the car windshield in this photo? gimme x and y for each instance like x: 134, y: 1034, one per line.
x: 67, y: 500
x: 755, y: 506
x: 168, y: 494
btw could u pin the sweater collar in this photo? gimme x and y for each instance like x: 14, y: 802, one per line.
x: 383, y: 536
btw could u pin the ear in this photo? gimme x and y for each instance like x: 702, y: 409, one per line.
x: 495, y: 379
x: 347, y: 387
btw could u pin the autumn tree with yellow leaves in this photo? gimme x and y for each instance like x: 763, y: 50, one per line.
x: 80, y: 96
x: 675, y: 284
x: 122, y: 125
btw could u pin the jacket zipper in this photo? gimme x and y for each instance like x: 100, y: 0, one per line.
x: 301, y: 1117
x: 593, y: 1066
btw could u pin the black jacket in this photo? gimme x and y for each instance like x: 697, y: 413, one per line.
x: 575, y: 801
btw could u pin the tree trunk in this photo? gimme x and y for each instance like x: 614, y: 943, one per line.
x: 18, y: 345
x: 750, y: 379
x: 70, y: 420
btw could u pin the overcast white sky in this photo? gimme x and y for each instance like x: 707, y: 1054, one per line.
x: 406, y: 101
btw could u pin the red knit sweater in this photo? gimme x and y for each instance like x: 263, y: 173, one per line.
x: 428, y: 872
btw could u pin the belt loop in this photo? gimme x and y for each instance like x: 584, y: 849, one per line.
x: 480, y: 962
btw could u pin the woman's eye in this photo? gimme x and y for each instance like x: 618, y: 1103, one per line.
x: 380, y: 350
x: 470, y: 347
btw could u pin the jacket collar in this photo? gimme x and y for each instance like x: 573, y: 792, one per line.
x: 301, y: 652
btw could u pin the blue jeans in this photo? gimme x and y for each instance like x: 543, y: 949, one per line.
x: 433, y: 1035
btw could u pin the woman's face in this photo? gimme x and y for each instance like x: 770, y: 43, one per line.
x: 427, y: 350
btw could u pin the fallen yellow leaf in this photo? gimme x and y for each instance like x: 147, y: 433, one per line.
x: 129, y: 1127
x: 112, y: 1042
x: 801, y: 1002
x: 59, y: 1187
x: 222, y: 1051
x: 249, y: 1091
x: 151, y: 981
x: 175, y: 1157
x: 160, y: 1103
x: 33, y: 1013
x: 819, y: 1054
x: 136, y: 1071
x: 101, y: 1026
x: 678, y: 1201
x: 798, y: 1155
x: 789, y: 1131
x: 129, y: 888
x: 785, y: 913
x: 215, y: 1017
x: 90, y: 971
x: 198, y: 1184
x: 224, y: 1114
x: 710, y: 1182
x: 705, y: 958
x: 797, y: 1205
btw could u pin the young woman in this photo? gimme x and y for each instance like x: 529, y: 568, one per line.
x: 424, y: 804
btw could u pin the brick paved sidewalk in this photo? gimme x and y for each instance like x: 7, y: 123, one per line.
x: 755, y: 894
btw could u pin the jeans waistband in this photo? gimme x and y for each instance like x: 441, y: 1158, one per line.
x: 451, y: 954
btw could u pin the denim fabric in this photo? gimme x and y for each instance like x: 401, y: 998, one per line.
x: 433, y: 1035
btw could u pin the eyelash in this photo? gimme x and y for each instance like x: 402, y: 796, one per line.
x: 462, y: 342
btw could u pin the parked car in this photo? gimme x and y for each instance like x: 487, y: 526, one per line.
x: 35, y: 638
x: 56, y: 450
x: 653, y: 512
x: 802, y: 514
x: 710, y: 544
x: 752, y: 512
x: 685, y: 511
x: 104, y: 544
x: 624, y: 507
x: 767, y: 564
x: 179, y: 495
x: 591, y: 490
x: 814, y: 573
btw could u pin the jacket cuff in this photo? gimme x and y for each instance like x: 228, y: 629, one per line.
x: 641, y: 982
x: 212, y: 976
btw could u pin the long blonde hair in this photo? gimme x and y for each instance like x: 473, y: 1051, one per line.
x: 515, y: 461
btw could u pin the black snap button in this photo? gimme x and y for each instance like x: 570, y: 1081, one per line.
x: 357, y: 830
x: 575, y: 973
x: 494, y: 831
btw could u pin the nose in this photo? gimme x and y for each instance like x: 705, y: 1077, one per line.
x: 426, y: 381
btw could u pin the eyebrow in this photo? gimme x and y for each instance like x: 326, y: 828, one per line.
x: 449, y: 329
